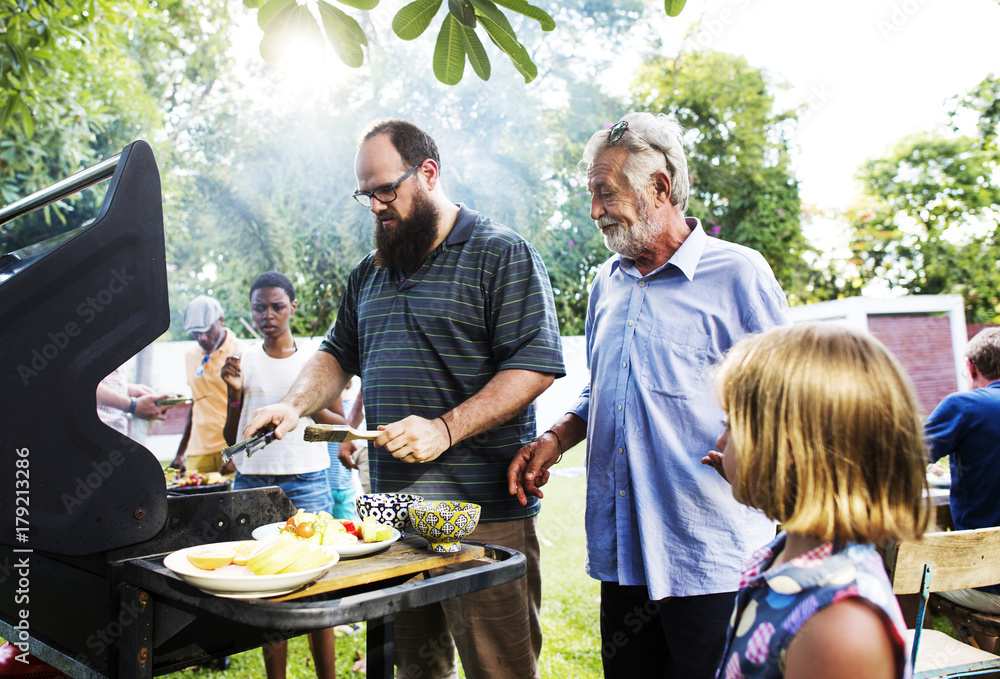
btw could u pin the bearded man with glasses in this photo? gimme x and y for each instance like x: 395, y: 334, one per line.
x: 451, y: 325
x: 664, y: 535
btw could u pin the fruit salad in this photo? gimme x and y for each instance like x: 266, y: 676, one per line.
x: 321, y: 528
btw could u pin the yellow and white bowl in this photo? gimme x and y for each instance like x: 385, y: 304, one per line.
x: 444, y: 523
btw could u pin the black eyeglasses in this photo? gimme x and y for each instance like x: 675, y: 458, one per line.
x: 384, y: 194
x: 618, y: 130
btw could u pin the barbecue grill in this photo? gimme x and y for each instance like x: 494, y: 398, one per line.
x: 85, y: 517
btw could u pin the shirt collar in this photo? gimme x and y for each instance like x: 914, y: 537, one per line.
x: 686, y: 257
x: 815, y: 567
x: 465, y: 222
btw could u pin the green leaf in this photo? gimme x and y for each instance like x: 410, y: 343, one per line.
x: 27, y: 122
x: 360, y: 4
x: 413, y: 19
x: 449, y: 52
x: 270, y: 11
x: 673, y: 7
x: 5, y: 115
x: 463, y: 12
x: 503, y: 36
x: 277, y: 36
x: 530, y: 11
x: 476, y: 52
x: 344, y: 33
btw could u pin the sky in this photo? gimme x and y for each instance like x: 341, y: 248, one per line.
x: 870, y: 71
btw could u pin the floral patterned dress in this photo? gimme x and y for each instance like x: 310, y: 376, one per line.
x: 772, y: 605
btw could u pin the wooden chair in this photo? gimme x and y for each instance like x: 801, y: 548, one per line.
x: 937, y: 563
x: 967, y: 622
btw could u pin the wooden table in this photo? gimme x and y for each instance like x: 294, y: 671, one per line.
x: 408, y: 556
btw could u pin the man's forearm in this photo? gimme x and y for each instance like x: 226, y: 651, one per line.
x: 569, y: 429
x: 318, y: 386
x: 508, y: 393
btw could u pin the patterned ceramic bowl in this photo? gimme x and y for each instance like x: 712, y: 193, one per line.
x: 444, y: 523
x: 390, y: 508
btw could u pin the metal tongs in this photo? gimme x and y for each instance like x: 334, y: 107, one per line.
x: 251, y: 445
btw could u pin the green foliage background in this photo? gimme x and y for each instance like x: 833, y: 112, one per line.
x: 249, y: 185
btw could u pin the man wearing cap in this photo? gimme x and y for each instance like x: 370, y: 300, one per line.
x: 202, y: 444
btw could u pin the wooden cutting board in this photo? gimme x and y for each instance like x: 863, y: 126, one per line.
x: 407, y: 556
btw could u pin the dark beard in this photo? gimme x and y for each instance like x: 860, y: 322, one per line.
x: 404, y: 247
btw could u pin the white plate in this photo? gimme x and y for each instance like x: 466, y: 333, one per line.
x: 271, y: 530
x: 237, y: 582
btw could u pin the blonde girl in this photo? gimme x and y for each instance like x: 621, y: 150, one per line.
x: 822, y: 434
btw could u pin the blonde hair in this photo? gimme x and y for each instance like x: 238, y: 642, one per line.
x: 828, y: 439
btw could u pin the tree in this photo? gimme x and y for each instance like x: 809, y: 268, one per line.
x: 285, y: 21
x: 82, y: 78
x: 738, y: 153
x: 928, y: 223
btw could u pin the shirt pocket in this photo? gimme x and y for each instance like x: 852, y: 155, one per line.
x: 675, y: 360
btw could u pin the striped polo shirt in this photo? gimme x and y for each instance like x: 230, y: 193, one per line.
x: 480, y: 303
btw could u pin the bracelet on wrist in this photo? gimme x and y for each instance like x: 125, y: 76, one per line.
x: 133, y: 402
x: 448, y: 429
x: 559, y: 444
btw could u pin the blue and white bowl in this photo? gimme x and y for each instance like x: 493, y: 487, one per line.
x: 389, y: 508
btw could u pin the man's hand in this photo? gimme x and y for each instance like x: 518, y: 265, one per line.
x: 345, y: 453
x: 231, y: 374
x: 529, y: 470
x: 284, y: 417
x: 414, y: 439
x: 228, y: 467
x: 179, y: 462
x: 714, y: 459
x: 146, y: 408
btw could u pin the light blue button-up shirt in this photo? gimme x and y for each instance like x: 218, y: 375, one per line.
x: 655, y: 515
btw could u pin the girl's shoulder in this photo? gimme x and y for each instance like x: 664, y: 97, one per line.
x: 804, y: 595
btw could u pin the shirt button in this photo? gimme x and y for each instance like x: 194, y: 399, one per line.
x: 624, y: 365
x: 621, y: 451
x: 642, y: 284
x: 631, y: 322
x: 622, y: 493
x: 619, y: 407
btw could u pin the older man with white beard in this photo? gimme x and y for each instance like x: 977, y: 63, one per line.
x: 664, y: 535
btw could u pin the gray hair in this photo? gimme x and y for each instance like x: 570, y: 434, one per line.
x: 650, y: 140
x: 984, y: 351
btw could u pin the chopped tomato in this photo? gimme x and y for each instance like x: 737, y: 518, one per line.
x: 349, y: 527
x: 290, y: 522
x: 305, y: 529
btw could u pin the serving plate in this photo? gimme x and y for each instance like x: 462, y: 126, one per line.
x: 237, y: 582
x: 271, y: 530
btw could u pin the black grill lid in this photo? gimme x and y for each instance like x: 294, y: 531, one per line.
x: 72, y: 309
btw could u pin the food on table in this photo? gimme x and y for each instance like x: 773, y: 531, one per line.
x: 321, y: 528
x: 178, y: 479
x: 211, y: 557
x: 243, y: 550
x: 287, y: 555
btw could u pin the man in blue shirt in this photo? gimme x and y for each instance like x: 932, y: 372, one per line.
x: 664, y: 536
x: 451, y: 325
x: 966, y: 427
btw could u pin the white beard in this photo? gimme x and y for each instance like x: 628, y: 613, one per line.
x: 632, y: 242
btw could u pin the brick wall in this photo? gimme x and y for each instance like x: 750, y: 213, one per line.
x: 922, y: 344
